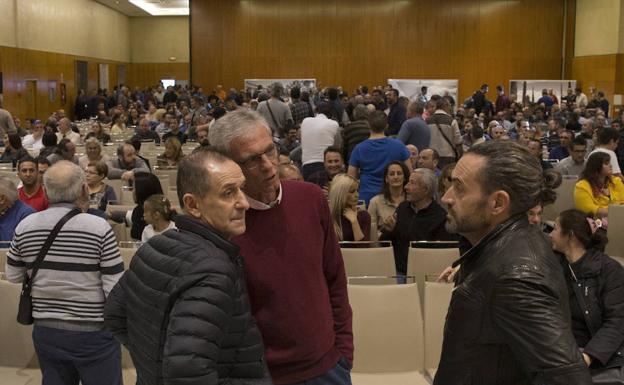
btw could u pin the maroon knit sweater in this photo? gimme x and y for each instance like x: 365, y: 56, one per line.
x: 297, y: 284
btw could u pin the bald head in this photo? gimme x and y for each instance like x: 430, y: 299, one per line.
x: 64, y: 182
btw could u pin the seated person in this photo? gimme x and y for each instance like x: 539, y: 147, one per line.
x: 419, y: 218
x: 31, y: 192
x: 144, y: 132
x: 597, y: 188
x: 563, y: 150
x: 158, y: 216
x: 172, y: 155
x: 33, y: 140
x: 99, y: 192
x: 382, y: 207
x: 334, y: 164
x: 93, y: 150
x: 429, y: 159
x: 97, y: 133
x: 596, y: 288
x: 350, y: 223
x: 126, y: 164
x: 575, y: 163
x: 174, y: 131
x: 13, y: 150
x: 65, y: 150
x: 289, y: 172
x: 12, y: 211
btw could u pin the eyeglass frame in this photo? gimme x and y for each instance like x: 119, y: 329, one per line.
x: 254, y: 161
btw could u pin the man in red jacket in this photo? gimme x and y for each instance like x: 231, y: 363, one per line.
x: 294, y: 269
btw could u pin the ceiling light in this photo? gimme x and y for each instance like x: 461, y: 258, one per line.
x: 156, y: 9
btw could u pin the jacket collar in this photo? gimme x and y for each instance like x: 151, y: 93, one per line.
x: 185, y: 222
x: 589, y: 265
x: 509, y: 224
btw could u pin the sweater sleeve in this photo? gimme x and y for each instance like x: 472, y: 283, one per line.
x: 197, y: 325
x: 335, y: 276
x: 111, y: 264
x: 114, y: 171
x: 584, y: 198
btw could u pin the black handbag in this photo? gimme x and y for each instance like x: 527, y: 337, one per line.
x: 600, y: 376
x: 24, y: 311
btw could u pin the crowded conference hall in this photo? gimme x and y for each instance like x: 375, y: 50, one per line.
x: 325, y: 192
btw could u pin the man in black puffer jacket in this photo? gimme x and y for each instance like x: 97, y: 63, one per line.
x: 182, y: 307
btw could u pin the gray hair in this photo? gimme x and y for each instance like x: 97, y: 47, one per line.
x: 8, y: 189
x: 277, y: 89
x: 514, y: 169
x: 360, y: 112
x: 235, y: 124
x: 193, y: 176
x: 64, y: 182
x: 429, y: 179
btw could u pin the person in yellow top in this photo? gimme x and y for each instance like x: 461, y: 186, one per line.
x: 597, y: 188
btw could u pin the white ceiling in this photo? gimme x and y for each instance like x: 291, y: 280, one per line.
x: 158, y: 7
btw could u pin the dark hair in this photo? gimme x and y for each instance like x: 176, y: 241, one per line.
x: 394, y: 91
x: 26, y: 159
x: 49, y: 139
x: 145, y: 185
x: 43, y: 160
x: 325, y: 108
x: 15, y: 140
x: 295, y: 92
x: 100, y: 167
x: 593, y: 168
x: 574, y: 222
x: 579, y: 141
x: 332, y: 93
x: 378, y: 121
x: 385, y: 189
x: 60, y: 147
x: 512, y: 168
x: 605, y: 135
x: 435, y: 155
x: 332, y: 149
x: 193, y: 176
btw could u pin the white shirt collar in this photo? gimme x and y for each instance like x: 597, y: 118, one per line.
x: 257, y: 205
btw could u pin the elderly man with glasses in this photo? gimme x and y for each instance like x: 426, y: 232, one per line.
x: 294, y: 269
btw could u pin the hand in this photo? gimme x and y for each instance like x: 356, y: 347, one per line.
x: 448, y: 275
x: 350, y: 214
x: 389, y: 222
x: 128, y: 175
x: 587, y: 359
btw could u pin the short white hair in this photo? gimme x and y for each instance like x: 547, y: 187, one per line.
x: 234, y: 124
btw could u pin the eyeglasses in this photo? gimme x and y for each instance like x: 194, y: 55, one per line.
x: 255, y: 161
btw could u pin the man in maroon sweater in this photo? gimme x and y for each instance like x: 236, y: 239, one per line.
x: 295, y: 274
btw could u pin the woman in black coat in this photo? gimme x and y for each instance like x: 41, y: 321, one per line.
x: 596, y: 288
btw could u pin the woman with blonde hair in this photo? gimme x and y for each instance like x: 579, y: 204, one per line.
x: 350, y: 223
x: 172, y: 154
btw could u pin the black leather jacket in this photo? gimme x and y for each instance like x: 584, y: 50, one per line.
x: 508, y: 322
x: 597, y: 301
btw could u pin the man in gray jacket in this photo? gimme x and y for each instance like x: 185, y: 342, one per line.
x: 126, y: 164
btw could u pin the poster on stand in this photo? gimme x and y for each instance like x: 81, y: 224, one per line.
x: 411, y: 88
x: 531, y: 90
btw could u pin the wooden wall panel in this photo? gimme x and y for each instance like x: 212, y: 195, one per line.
x: 147, y: 74
x: 47, y: 68
x: 600, y: 72
x: 353, y: 42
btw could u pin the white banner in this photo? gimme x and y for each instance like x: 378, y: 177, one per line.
x: 411, y: 87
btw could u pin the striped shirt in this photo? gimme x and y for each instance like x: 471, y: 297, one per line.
x: 79, y: 270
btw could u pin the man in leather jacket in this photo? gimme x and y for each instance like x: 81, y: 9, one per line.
x: 508, y: 322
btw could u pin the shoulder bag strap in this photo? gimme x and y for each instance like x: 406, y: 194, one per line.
x: 447, y: 139
x: 272, y: 116
x: 48, y: 242
x: 576, y: 288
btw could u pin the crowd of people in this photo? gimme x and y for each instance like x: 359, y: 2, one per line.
x: 252, y: 264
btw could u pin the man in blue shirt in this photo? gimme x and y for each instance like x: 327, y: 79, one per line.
x: 12, y: 211
x: 369, y: 158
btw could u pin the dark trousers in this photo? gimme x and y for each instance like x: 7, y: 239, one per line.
x: 340, y: 374
x: 68, y: 357
x: 311, y: 168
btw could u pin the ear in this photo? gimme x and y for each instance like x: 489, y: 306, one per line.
x: 192, y: 205
x: 500, y: 202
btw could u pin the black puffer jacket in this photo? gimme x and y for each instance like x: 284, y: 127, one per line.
x: 599, y: 282
x: 182, y: 310
x: 508, y: 322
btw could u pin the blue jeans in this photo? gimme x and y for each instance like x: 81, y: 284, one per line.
x: 340, y: 374
x: 68, y: 357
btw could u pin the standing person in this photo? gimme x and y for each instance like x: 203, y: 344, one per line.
x: 295, y: 274
x: 479, y: 98
x: 276, y: 112
x: 7, y: 124
x: 357, y: 131
x: 445, y: 136
x: 31, y: 192
x: 502, y: 100
x: 203, y: 333
x: 596, y: 288
x: 317, y: 134
x: 370, y: 157
x: 396, y: 113
x: 68, y: 292
x: 414, y: 130
x: 509, y: 310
